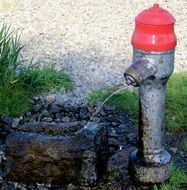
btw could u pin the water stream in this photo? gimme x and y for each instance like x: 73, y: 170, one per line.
x: 98, y: 109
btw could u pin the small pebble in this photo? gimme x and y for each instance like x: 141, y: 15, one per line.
x: 66, y: 119
x: 15, y: 123
x: 173, y: 150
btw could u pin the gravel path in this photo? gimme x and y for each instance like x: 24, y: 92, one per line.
x: 90, y: 39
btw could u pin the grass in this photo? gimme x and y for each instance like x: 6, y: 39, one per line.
x: 176, y: 101
x: 123, y: 100
x: 178, y: 181
x: 20, y: 81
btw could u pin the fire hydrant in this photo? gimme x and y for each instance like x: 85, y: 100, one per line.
x: 153, y: 44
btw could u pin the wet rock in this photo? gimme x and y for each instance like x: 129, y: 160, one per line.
x: 35, y: 154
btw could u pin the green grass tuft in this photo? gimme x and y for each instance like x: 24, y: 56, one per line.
x: 20, y: 82
x: 47, y: 78
x: 176, y: 101
x: 14, y: 100
x: 177, y: 181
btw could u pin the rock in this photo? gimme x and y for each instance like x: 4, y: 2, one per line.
x: 65, y: 119
x: 122, y: 141
x: 78, y: 156
x: 47, y: 119
x: 96, y: 119
x: 112, y: 133
x: 50, y: 98
x: 6, y: 128
x: 6, y: 119
x: 28, y: 113
x: 55, y: 109
x: 46, y: 113
x: 71, y: 187
x: 15, y: 122
x: 37, y: 107
x: 57, y: 120
x: 89, y: 173
x: 118, y: 162
x: 173, y: 150
x: 4, y: 134
x: 121, y: 129
x: 58, y: 115
x: 110, y: 118
x: 2, y: 157
x: 114, y: 124
x: 112, y: 150
x: 132, y: 138
x: 113, y: 142
x: 52, y: 128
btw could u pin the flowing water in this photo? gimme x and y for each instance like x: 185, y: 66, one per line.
x: 98, y: 109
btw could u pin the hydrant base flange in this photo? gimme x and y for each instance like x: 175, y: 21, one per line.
x: 149, y: 174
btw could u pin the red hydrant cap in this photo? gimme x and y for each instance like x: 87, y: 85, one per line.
x: 154, y: 30
x: 155, y: 16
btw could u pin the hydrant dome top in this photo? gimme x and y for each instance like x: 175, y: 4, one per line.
x: 154, y: 30
x: 155, y: 16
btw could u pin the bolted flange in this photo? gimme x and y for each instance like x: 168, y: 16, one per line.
x: 150, y: 173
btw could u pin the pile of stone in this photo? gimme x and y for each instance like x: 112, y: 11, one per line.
x: 66, y: 147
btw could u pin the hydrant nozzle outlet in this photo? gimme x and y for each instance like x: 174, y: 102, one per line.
x: 139, y: 71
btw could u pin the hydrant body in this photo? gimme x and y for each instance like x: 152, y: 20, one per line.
x: 153, y: 62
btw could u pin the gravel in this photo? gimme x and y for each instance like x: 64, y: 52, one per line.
x: 89, y: 39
